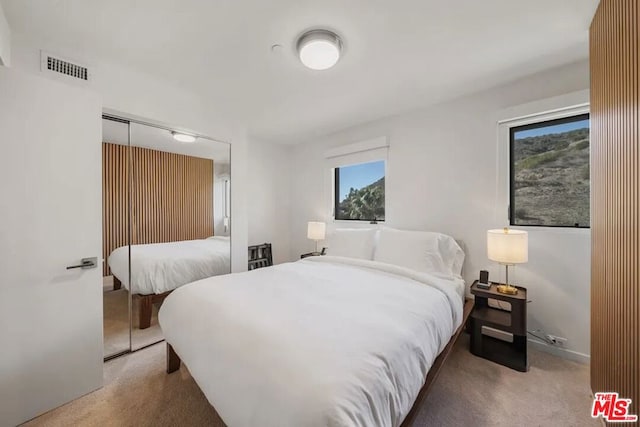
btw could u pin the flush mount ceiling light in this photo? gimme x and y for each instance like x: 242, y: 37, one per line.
x: 319, y: 49
x: 183, y: 137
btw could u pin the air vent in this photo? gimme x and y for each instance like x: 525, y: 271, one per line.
x: 59, y: 66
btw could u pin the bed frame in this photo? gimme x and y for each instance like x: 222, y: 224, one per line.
x: 145, y: 304
x: 173, y: 364
x: 146, y: 307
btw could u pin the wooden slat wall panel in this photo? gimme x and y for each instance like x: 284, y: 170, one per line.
x: 172, y: 197
x: 615, y: 196
x: 115, y: 195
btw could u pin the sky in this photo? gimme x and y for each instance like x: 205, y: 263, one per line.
x: 565, y: 127
x: 358, y: 176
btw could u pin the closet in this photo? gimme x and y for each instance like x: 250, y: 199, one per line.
x: 166, y: 223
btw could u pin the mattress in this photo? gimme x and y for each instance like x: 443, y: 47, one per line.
x: 161, y: 267
x: 324, y: 341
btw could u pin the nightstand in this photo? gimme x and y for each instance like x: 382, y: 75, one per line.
x: 509, y: 323
x: 324, y: 251
x: 310, y: 254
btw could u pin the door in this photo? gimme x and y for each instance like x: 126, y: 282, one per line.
x: 173, y: 218
x: 50, y: 218
x: 116, y: 238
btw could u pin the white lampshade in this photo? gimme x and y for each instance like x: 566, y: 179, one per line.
x: 508, y: 246
x: 316, y: 230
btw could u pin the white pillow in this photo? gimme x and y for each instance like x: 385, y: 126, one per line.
x: 352, y: 243
x: 422, y: 251
x: 452, y: 254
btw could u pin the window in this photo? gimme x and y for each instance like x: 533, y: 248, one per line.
x: 359, y: 191
x: 550, y: 173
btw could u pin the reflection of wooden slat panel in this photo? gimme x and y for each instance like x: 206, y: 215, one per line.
x: 615, y: 189
x: 115, y: 198
x: 171, y: 197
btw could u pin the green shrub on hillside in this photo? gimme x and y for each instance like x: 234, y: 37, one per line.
x: 366, y: 203
x: 551, y: 179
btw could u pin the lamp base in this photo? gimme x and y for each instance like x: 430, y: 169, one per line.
x: 507, y: 289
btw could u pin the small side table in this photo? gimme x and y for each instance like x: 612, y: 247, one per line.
x: 514, y: 322
x: 324, y: 251
x: 309, y: 254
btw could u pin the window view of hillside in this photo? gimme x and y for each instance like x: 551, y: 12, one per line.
x: 359, y: 192
x: 550, y: 173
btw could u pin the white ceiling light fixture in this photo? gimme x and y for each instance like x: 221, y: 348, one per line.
x: 319, y: 49
x: 183, y: 137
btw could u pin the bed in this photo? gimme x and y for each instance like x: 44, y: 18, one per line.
x: 159, y: 268
x: 324, y: 341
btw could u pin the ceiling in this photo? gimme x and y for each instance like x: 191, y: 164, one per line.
x: 160, y: 139
x: 399, y: 55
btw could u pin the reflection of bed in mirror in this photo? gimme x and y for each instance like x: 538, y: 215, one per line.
x: 167, y: 203
x: 159, y: 268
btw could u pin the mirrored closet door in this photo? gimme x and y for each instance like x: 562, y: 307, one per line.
x: 179, y: 219
x: 115, y: 236
x: 166, y: 223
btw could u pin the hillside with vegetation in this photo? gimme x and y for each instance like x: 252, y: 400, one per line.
x: 551, y: 179
x: 364, y: 203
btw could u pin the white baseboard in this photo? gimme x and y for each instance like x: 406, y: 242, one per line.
x: 560, y: 352
x: 541, y: 346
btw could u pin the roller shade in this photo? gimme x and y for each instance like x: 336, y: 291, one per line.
x: 360, y: 152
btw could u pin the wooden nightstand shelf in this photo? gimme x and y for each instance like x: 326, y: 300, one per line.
x: 514, y: 322
x: 324, y: 251
x: 309, y: 254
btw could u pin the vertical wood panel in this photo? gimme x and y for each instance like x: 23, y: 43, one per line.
x: 115, y: 193
x: 615, y: 198
x: 172, y: 197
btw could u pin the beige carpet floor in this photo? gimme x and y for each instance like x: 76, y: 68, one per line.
x: 115, y: 308
x: 116, y: 321
x: 469, y: 392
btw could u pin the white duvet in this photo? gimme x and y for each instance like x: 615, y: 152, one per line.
x: 325, y: 341
x: 163, y: 267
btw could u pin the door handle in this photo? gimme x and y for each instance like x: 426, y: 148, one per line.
x: 85, y: 263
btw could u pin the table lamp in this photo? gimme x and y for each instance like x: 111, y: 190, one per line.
x: 507, y: 247
x: 316, y: 231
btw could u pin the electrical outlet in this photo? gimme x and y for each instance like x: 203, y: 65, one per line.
x: 559, y: 341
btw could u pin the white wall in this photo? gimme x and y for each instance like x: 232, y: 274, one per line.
x: 140, y: 95
x: 268, y: 197
x: 5, y: 40
x: 442, y: 175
